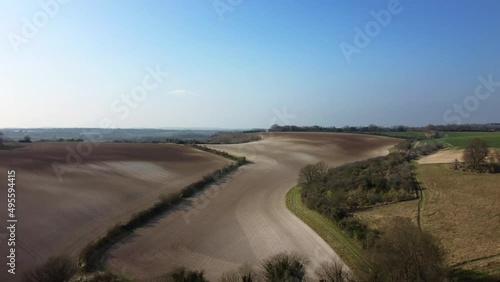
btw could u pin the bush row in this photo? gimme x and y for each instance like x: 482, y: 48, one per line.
x: 240, y: 160
x: 91, y: 256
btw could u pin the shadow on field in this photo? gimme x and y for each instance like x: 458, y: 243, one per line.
x: 463, y: 275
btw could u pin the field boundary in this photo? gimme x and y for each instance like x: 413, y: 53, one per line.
x: 464, y: 263
x: 421, y: 197
x: 92, y: 256
x: 347, y: 249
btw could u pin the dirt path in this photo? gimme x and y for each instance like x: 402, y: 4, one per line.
x: 245, y: 219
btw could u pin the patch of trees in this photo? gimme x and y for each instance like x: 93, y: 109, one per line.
x: 1, y: 140
x: 26, y: 139
x: 221, y: 138
x: 56, y: 269
x: 255, y: 130
x: 62, y: 140
x: 397, y: 128
x: 405, y: 254
x: 231, y: 138
x: 338, y: 192
x: 478, y: 157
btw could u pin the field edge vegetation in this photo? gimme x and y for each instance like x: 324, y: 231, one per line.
x: 345, y: 247
x: 91, y: 257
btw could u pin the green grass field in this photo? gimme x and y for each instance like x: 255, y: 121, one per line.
x: 460, y: 139
x: 452, y: 139
x: 352, y: 254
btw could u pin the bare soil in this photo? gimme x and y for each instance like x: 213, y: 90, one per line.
x: 443, y: 156
x: 109, y: 185
x: 244, y: 219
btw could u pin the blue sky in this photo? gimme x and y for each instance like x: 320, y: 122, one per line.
x: 249, y: 66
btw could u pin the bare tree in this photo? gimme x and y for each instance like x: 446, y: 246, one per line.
x: 56, y: 269
x: 244, y: 274
x: 332, y: 271
x: 405, y: 253
x: 312, y: 173
x: 181, y: 274
x: 475, y: 153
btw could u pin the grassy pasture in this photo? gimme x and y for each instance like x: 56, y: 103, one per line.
x: 461, y: 209
x: 378, y: 217
x: 352, y: 254
x: 460, y: 139
x: 452, y: 139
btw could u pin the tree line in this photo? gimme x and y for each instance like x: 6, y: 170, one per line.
x: 340, y: 191
x: 380, y: 129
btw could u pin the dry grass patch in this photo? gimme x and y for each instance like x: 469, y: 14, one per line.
x: 379, y: 217
x: 443, y: 156
x: 462, y: 210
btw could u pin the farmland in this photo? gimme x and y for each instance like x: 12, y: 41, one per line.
x: 457, y: 140
x: 245, y: 218
x: 458, y: 208
x: 113, y: 182
x: 460, y: 139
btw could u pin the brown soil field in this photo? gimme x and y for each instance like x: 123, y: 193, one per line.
x: 443, y: 156
x: 244, y: 219
x: 111, y: 183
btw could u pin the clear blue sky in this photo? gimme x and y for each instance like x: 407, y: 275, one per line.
x: 237, y: 72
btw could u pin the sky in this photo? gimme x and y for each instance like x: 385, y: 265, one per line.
x: 248, y: 64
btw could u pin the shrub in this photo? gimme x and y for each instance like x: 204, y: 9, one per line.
x: 26, y: 139
x: 181, y: 274
x: 244, y: 274
x: 284, y: 267
x: 56, y: 269
x: 332, y: 271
